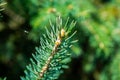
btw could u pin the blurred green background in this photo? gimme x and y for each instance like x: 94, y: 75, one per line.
x: 96, y: 56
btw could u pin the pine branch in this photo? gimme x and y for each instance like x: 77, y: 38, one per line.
x: 49, y: 57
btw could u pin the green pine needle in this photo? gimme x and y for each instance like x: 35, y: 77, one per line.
x: 53, y: 53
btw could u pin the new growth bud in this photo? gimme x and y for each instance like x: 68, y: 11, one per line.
x: 62, y: 32
x: 58, y: 42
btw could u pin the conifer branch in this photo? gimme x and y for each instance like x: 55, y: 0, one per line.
x: 57, y: 43
x: 54, y: 49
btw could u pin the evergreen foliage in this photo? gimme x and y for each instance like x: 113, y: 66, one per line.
x: 53, y: 54
x: 95, y: 56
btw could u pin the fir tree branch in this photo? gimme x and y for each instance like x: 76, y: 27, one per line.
x: 49, y: 57
x: 57, y: 43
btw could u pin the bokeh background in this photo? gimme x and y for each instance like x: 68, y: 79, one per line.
x: 96, y: 55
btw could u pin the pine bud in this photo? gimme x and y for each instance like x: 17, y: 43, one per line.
x: 62, y: 33
x: 58, y: 42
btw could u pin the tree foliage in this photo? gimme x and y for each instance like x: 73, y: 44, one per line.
x: 95, y: 56
x: 52, y: 55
